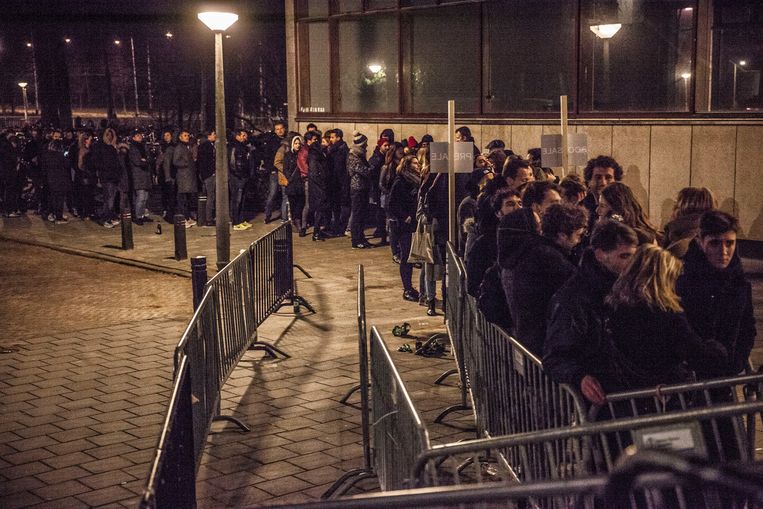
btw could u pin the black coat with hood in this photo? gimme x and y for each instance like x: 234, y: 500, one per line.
x: 318, y: 178
x: 403, y: 200
x: 296, y: 186
x: 340, y: 179
x: 576, y: 344
x: 532, y: 271
x: 718, y: 305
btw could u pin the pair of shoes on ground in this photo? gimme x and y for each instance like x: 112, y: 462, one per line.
x: 401, y: 330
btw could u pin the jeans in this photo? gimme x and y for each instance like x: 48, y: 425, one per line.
x: 141, y: 198
x: 406, y: 269
x: 209, y: 187
x: 275, y: 191
x: 359, y: 200
x: 109, y: 195
x: 297, y: 206
x: 184, y: 204
x: 236, y: 188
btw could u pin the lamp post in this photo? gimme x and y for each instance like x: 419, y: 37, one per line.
x: 23, y: 86
x: 218, y: 22
x: 605, y: 33
x: 737, y: 66
x: 34, y: 71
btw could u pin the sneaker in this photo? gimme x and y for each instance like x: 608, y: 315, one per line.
x: 189, y: 223
x: 14, y: 214
x: 51, y: 218
x: 66, y: 217
x: 411, y: 295
x: 114, y: 222
x: 240, y: 227
x: 63, y: 220
x: 108, y: 224
x: 362, y: 245
x: 396, y: 259
x: 247, y: 224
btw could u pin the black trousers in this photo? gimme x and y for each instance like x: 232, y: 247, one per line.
x: 359, y: 205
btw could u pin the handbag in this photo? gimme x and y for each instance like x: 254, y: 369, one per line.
x: 422, y: 243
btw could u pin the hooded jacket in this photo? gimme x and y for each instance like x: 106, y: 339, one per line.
x: 533, y: 268
x: 358, y: 169
x: 106, y: 158
x: 576, y: 344
x: 718, y: 305
x: 295, y: 185
x: 339, y: 185
x: 318, y: 178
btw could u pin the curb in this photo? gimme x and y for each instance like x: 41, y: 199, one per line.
x: 102, y: 256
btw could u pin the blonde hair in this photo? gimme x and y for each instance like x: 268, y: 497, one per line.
x: 650, y: 279
x: 693, y: 200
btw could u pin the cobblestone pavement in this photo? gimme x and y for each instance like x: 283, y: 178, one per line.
x: 85, y: 392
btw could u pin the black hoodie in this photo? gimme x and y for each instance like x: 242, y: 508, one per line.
x: 533, y: 268
x: 718, y: 305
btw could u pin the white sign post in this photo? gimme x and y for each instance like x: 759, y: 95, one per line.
x: 452, y: 230
x: 565, y: 141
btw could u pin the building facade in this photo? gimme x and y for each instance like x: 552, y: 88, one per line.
x: 670, y: 88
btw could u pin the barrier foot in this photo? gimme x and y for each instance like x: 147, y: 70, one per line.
x: 359, y: 474
x: 349, y: 393
x: 434, y: 338
x: 272, y: 351
x: 441, y: 378
x: 450, y: 409
x: 303, y: 271
x: 235, y: 421
x: 298, y: 301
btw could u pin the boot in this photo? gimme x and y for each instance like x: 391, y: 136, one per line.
x: 431, y: 311
x: 303, y: 232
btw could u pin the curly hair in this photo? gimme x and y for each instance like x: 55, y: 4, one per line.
x: 563, y: 218
x: 602, y: 162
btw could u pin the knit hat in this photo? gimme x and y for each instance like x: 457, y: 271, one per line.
x: 381, y: 141
x: 359, y: 138
x: 427, y: 138
x: 389, y: 134
x: 412, y: 142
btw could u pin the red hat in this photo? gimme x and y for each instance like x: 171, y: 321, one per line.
x: 382, y: 141
x: 412, y: 142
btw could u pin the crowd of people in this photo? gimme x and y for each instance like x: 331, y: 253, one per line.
x: 573, y: 268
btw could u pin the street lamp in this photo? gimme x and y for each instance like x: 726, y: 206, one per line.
x: 23, y: 85
x: 737, y: 66
x: 34, y: 72
x: 605, y: 33
x: 218, y: 22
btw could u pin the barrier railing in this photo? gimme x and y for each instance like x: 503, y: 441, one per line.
x: 399, y: 435
x: 236, y: 301
x: 454, y: 323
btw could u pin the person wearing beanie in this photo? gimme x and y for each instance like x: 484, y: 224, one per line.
x: 376, y: 212
x: 360, y: 186
x: 426, y: 140
x: 389, y: 135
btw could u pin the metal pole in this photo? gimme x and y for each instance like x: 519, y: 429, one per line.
x: 452, y: 230
x: 221, y: 160
x: 26, y: 108
x: 148, y: 64
x: 181, y: 250
x: 564, y: 129
x: 36, y: 93
x: 198, y: 278
x: 126, y: 227
x: 134, y: 76
x: 734, y: 91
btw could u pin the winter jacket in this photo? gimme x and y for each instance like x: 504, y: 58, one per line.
x: 167, y: 167
x: 433, y: 203
x: 182, y: 160
x: 238, y: 162
x: 576, y: 344
x: 482, y: 254
x: 206, y: 159
x: 295, y: 186
x: 718, y: 305
x: 318, y: 178
x: 466, y: 209
x: 531, y: 272
x: 138, y: 166
x: 402, y: 204
x: 105, y: 160
x: 339, y: 184
x: 654, y: 347
x: 53, y: 166
x: 358, y: 170
x: 302, y: 161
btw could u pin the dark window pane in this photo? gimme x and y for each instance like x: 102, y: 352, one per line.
x: 349, y: 6
x: 368, y: 62
x: 443, y: 59
x: 636, y: 55
x: 737, y: 55
x: 311, y: 8
x: 314, y: 67
x: 380, y: 4
x: 528, y: 67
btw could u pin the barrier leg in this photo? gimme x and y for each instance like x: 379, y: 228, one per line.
x: 235, y: 421
x: 358, y: 474
x: 434, y: 338
x: 440, y: 379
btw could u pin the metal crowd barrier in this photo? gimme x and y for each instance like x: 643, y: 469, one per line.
x: 579, y: 452
x: 236, y: 301
x: 644, y: 479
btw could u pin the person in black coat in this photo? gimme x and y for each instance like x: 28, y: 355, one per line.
x: 536, y: 267
x: 206, y: 162
x: 183, y: 162
x: 53, y: 165
x: 359, y: 172
x: 577, y: 351
x: 140, y: 173
x: 339, y: 183
x: 653, y: 341
x: 295, y: 189
x: 108, y: 169
x: 402, y: 208
x: 318, y: 184
x: 716, y: 295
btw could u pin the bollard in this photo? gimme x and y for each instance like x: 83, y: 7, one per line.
x: 198, y: 278
x: 181, y: 252
x: 201, y: 211
x: 125, y: 220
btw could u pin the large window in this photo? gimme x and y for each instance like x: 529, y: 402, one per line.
x: 368, y: 64
x: 509, y: 57
x: 738, y: 55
